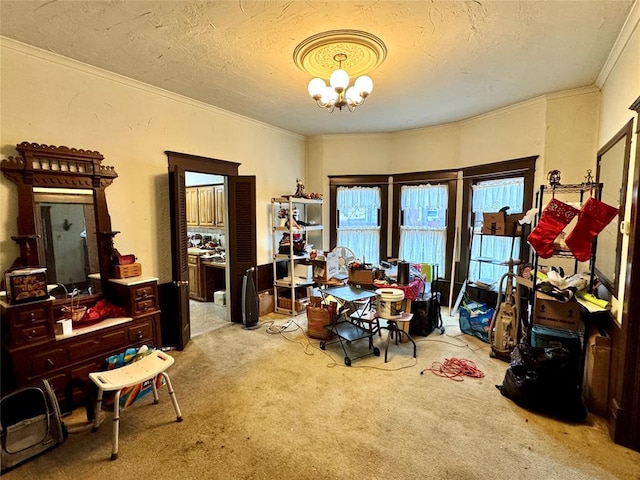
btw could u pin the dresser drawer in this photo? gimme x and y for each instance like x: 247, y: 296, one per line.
x: 145, y: 306
x: 82, y: 372
x: 141, y: 333
x: 33, y: 316
x: 80, y: 349
x: 35, y: 333
x: 27, y: 324
x: 59, y: 383
x: 144, y: 291
x: 47, y: 361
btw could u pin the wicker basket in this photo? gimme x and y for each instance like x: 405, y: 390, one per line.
x: 75, y: 313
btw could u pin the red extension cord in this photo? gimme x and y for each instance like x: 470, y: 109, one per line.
x: 455, y: 369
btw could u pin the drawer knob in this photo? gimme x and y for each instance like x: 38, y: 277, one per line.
x: 144, y: 294
x: 32, y: 334
x: 32, y: 316
x: 50, y: 362
x: 145, y: 307
x: 139, y: 334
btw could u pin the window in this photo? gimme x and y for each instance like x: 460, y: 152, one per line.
x: 487, y: 250
x: 358, y: 224
x: 423, y: 224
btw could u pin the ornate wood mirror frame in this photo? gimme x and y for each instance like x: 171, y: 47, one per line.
x: 59, y: 167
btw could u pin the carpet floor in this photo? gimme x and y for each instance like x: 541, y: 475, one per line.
x: 269, y: 403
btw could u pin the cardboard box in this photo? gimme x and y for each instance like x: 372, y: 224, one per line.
x: 220, y: 297
x: 555, y: 314
x: 64, y: 326
x: 361, y: 277
x: 265, y: 302
x: 512, y: 226
x: 493, y: 223
x: 596, y: 373
x: 303, y: 270
x: 127, y: 271
x: 319, y: 269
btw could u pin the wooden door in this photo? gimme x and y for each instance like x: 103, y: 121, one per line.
x: 175, y: 296
x: 241, y: 245
x: 178, y: 164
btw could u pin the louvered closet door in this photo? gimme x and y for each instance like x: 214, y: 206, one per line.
x: 241, y: 199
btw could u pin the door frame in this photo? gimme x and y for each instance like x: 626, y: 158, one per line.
x: 184, y: 162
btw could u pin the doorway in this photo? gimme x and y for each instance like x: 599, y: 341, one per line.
x: 240, y: 241
x: 206, y: 249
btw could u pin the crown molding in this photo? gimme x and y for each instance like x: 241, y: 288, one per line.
x: 66, y: 62
x: 629, y: 27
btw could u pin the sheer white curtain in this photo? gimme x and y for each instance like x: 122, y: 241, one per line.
x: 358, y: 221
x: 491, y: 196
x: 423, y: 232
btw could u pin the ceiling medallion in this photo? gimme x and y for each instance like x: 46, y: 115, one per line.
x: 355, y: 53
x: 364, y: 52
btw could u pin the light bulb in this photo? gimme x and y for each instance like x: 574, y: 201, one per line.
x: 329, y: 96
x: 364, y: 85
x: 316, y: 87
x: 339, y: 80
x: 353, y: 96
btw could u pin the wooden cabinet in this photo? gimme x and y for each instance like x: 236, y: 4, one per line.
x: 191, y: 195
x: 32, y: 351
x: 220, y: 205
x: 205, y: 206
x: 194, y: 277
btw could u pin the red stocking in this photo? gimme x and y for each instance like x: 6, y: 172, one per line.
x: 593, y: 217
x: 555, y: 216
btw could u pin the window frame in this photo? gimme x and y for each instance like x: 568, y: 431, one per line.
x: 381, y: 181
x: 519, y: 167
x: 437, y: 177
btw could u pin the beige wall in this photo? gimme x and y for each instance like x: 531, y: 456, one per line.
x: 49, y: 99
x: 620, y: 83
x: 52, y: 100
x: 561, y: 129
x: 571, y: 134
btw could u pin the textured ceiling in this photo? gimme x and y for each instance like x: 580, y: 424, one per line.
x: 446, y: 60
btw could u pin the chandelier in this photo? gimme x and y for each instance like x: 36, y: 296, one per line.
x: 352, y: 51
x: 336, y: 94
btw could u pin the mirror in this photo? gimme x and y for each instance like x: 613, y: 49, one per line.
x: 612, y: 170
x: 65, y: 225
x: 63, y: 219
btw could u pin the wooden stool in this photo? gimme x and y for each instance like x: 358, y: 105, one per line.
x: 148, y: 367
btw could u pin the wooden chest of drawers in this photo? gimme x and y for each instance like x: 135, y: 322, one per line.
x: 138, y: 296
x: 27, y: 323
x: 32, y: 350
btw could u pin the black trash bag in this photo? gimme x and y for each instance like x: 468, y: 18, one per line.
x: 545, y: 380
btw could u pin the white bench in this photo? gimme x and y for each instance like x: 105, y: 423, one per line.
x: 146, y: 368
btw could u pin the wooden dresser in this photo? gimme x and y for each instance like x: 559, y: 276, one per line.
x: 32, y: 350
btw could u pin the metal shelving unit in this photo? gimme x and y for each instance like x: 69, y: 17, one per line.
x: 309, y: 229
